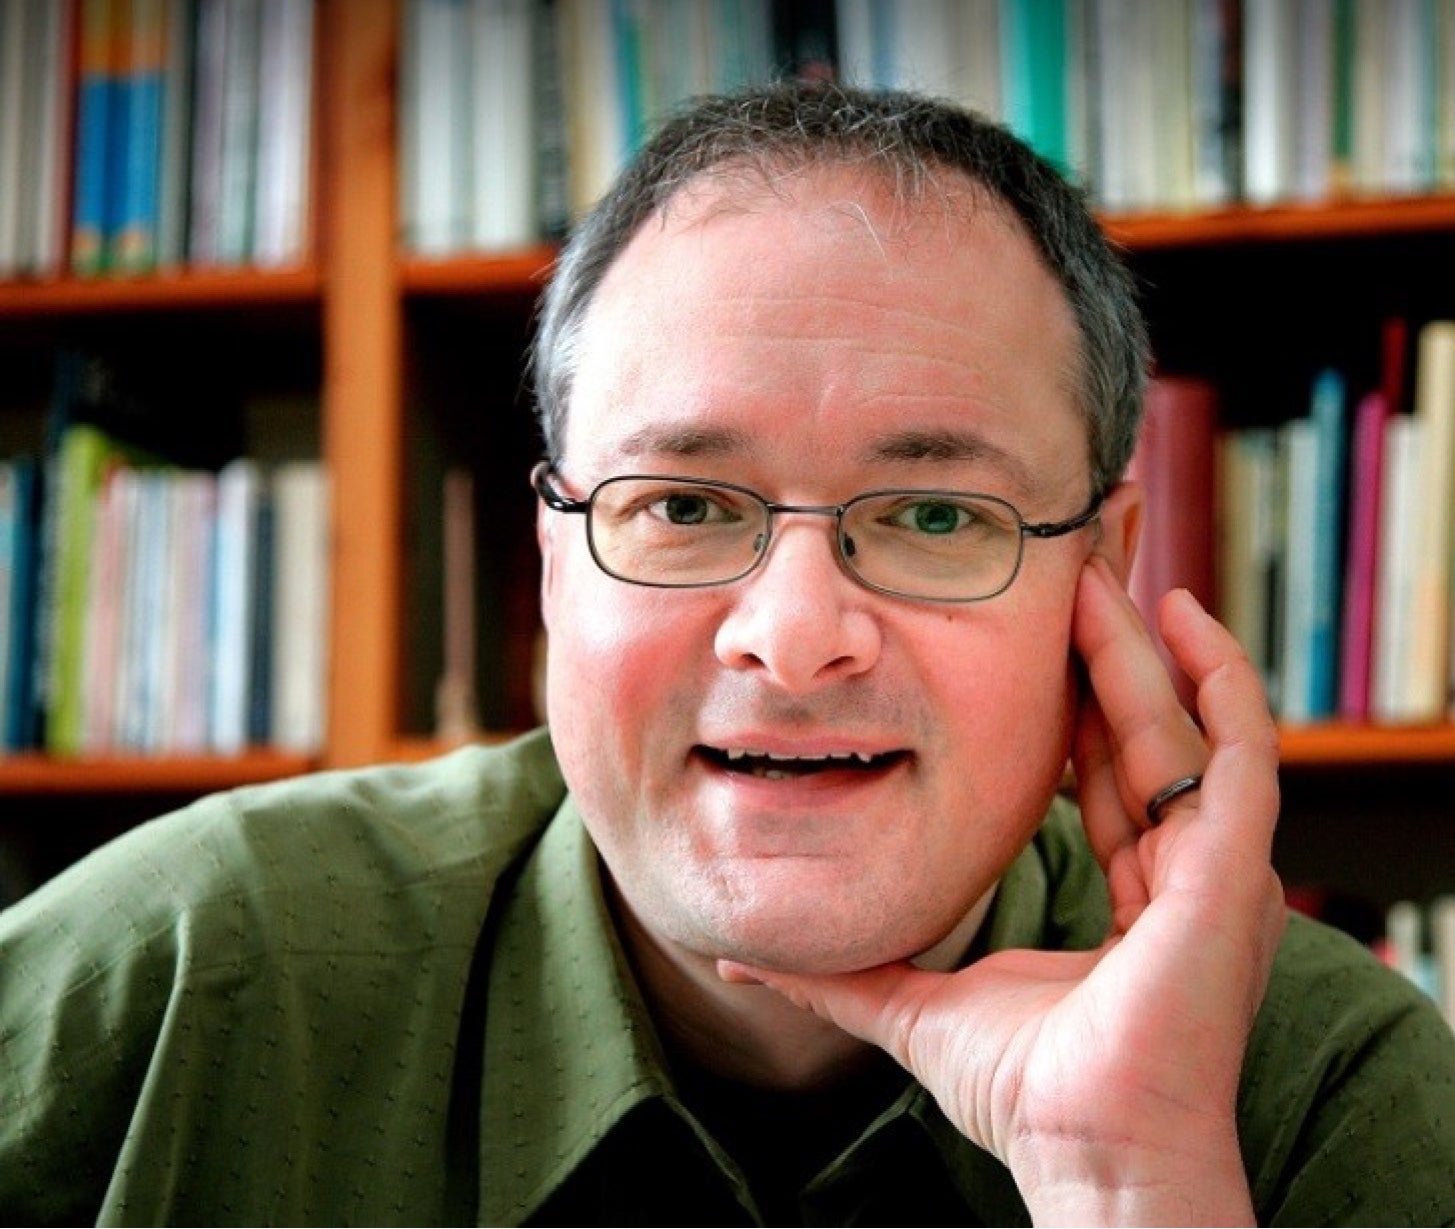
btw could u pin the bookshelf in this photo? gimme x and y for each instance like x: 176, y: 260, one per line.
x: 376, y: 316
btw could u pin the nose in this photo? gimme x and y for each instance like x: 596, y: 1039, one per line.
x: 799, y: 620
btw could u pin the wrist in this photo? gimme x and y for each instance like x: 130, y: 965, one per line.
x: 1192, y: 1180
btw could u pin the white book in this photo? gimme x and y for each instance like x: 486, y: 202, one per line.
x: 300, y: 606
x: 1442, y: 947
x: 126, y: 687
x: 596, y: 137
x: 103, y: 619
x: 1269, y: 56
x: 1434, y: 534
x: 503, y: 197
x: 436, y: 204
x: 1301, y: 442
x: 1393, y: 609
x: 235, y: 578
x: 975, y: 36
x: 1371, y: 71
x: 1408, y: 114
x: 923, y: 47
x: 285, y: 108
x: 164, y: 629
x: 1170, y: 49
x: 1444, y: 91
x: 1313, y: 125
x: 855, y: 21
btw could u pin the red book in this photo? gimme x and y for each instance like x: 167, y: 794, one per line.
x: 1362, y: 567
x: 1176, y: 461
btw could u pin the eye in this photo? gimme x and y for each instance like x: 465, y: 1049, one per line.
x: 936, y: 517
x: 691, y: 508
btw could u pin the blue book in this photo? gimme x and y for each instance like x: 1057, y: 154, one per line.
x: 94, y: 152
x: 1329, y: 414
x: 17, y: 719
x: 135, y: 201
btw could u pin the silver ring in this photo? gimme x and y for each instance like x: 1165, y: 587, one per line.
x: 1164, y: 796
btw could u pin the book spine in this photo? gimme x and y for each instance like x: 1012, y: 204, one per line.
x: 1435, y: 406
x: 1033, y: 56
x: 1361, y: 570
x: 1328, y: 415
x: 94, y: 121
x: 176, y: 134
x: 141, y: 64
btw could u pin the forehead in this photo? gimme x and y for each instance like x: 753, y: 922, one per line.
x: 824, y: 310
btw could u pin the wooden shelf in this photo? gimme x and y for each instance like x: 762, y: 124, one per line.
x: 33, y: 774
x: 1243, y: 224
x: 519, y: 272
x: 217, y: 288
x: 1337, y: 744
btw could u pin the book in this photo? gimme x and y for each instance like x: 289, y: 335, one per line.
x: 1429, y: 648
x: 1033, y: 75
x: 94, y: 148
x: 285, y: 103
x: 1400, y: 502
x: 179, y: 62
x: 1250, y: 542
x: 436, y: 84
x: 234, y: 584
x: 1175, y: 461
x: 134, y: 211
x: 1328, y: 414
x: 17, y: 716
x: 503, y: 208
x: 205, y: 177
x: 241, y: 105
x: 1299, y: 444
x: 301, y: 580
x: 1361, y: 560
x: 12, y: 132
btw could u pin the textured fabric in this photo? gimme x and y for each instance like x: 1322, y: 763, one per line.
x: 395, y: 996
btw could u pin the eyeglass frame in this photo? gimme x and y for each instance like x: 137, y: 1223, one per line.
x: 558, y: 502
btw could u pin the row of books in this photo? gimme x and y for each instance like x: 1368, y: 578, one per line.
x: 1325, y: 542
x: 515, y: 114
x: 152, y: 608
x: 1419, y: 941
x: 146, y: 134
x: 1189, y: 103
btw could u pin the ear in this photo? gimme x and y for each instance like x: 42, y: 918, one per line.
x: 546, y: 541
x: 1121, y: 527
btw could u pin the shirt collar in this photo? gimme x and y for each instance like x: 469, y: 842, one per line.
x: 570, y: 1048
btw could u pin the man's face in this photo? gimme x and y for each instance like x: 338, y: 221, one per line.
x: 812, y: 345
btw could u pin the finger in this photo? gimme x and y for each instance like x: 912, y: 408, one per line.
x: 878, y: 1005
x: 1243, y: 768
x: 1110, y: 831
x: 1155, y: 741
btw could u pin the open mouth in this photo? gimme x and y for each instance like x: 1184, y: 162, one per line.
x: 769, y: 767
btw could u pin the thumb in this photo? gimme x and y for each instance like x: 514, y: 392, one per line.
x: 881, y: 1005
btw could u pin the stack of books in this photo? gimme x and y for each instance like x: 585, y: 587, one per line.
x: 138, y: 135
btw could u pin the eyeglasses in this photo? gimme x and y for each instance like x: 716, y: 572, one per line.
x: 683, y: 533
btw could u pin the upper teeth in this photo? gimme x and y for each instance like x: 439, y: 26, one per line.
x: 738, y: 753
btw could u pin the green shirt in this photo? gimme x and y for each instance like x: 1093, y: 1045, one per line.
x: 395, y: 996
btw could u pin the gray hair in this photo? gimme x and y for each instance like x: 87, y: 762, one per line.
x: 905, y: 139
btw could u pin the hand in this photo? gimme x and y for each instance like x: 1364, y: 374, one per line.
x: 1107, y: 1080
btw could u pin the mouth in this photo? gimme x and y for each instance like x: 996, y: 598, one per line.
x: 771, y: 766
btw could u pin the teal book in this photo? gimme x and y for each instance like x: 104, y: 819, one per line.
x: 1329, y: 412
x: 1033, y: 76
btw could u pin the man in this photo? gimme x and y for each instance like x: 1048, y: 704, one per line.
x: 836, y: 391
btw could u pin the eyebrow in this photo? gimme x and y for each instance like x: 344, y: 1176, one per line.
x: 951, y: 446
x: 685, y: 440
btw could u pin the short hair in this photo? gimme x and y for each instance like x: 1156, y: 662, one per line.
x: 906, y: 139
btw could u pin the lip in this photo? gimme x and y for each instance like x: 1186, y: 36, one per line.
x: 830, y: 786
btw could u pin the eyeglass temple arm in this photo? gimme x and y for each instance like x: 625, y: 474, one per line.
x: 552, y: 498
x: 1055, y: 529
